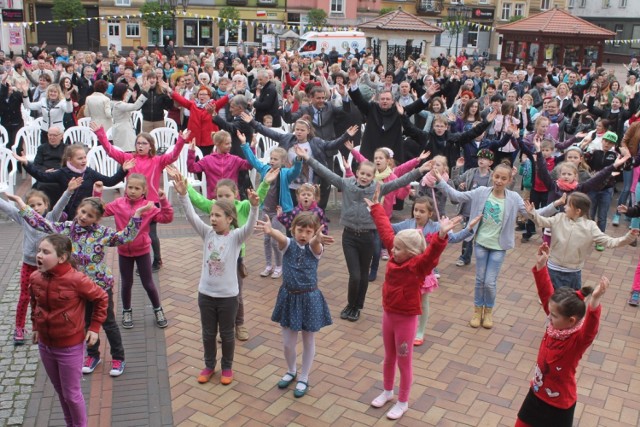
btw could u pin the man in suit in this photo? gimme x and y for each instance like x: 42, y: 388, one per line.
x: 323, y: 114
x: 85, y: 84
x: 266, y: 101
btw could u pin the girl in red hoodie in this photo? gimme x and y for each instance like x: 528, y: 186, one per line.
x: 137, y: 251
x: 573, y: 325
x: 411, y: 260
x: 58, y: 296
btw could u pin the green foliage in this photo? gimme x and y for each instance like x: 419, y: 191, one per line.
x: 452, y: 28
x: 68, y: 9
x: 386, y: 10
x: 515, y: 18
x: 229, y: 17
x: 316, y: 18
x: 159, y: 20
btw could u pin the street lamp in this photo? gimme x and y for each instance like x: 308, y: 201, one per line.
x: 458, y: 12
x: 173, y: 5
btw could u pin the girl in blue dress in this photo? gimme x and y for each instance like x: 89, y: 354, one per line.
x: 300, y: 306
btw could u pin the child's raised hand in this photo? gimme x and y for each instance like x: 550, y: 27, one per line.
x: 446, y: 225
x: 98, y: 187
x: 353, y: 130
x: 22, y: 159
x: 542, y: 256
x: 279, y: 210
x: 246, y: 117
x: 180, y: 184
x: 529, y: 206
x: 460, y: 163
x: 424, y: 155
x: 623, y: 209
x: 599, y: 291
x: 143, y: 209
x: 241, y: 136
x: 301, y: 152
x: 94, y: 126
x: 161, y: 195
x: 375, y: 199
x: 271, y: 175
x: 620, y: 161
x: 186, y: 134
x: 474, y: 221
x: 561, y: 201
x: 129, y: 164
x: 192, y: 145
x: 264, y: 226
x: 17, y: 200
x: 172, y: 171
x: 253, y: 197
x: 400, y: 109
x: 75, y: 183
x: 349, y: 145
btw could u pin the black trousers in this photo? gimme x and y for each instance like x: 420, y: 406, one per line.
x: 358, y: 252
x: 111, y: 329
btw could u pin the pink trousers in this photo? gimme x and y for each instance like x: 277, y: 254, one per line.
x: 398, y: 332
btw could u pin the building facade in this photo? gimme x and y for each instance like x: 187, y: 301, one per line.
x: 619, y: 16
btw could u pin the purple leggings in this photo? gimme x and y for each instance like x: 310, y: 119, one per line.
x: 64, y: 368
x: 146, y: 277
x: 398, y: 332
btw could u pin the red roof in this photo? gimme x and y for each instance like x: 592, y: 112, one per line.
x: 556, y: 21
x: 399, y: 20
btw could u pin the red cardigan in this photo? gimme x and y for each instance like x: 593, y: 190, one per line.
x: 402, y: 282
x: 554, y: 380
x: 58, y: 305
x: 200, y: 123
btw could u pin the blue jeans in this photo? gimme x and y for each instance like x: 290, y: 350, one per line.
x: 627, y: 177
x: 600, y: 203
x: 635, y: 222
x: 563, y: 278
x: 488, y: 264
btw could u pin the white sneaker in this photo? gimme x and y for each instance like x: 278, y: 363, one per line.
x: 381, y: 400
x: 277, y: 273
x: 384, y: 255
x: 397, y: 410
x: 267, y: 271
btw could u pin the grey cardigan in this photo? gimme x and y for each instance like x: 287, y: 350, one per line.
x: 355, y: 213
x: 513, y: 205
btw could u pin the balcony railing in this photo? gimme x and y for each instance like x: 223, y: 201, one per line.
x: 430, y: 7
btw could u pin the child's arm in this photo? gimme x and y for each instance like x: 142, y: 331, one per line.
x: 546, y: 211
x: 57, y: 210
x: 466, y: 232
x: 199, y: 201
x: 117, y: 155
x: 598, y: 179
x: 248, y: 154
x: 607, y: 241
x: 180, y: 185
x: 10, y: 210
x: 246, y: 230
x: 89, y: 291
x: 265, y: 227
x: 318, y: 168
x: 286, y: 218
x: 192, y: 165
x: 112, y: 237
x: 316, y: 243
x: 34, y: 219
x: 323, y: 220
x: 407, y: 179
x: 429, y: 259
x: 110, y: 181
x: 382, y: 223
x: 165, y: 215
x: 171, y: 156
x: 541, y: 276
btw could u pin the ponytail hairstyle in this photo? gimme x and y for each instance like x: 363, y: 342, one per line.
x: 569, y: 303
x: 388, y: 154
x: 315, y: 189
x: 578, y: 200
x: 229, y: 209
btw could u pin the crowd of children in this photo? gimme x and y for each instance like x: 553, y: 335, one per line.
x: 460, y: 167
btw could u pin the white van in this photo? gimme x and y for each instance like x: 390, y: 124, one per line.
x: 312, y: 42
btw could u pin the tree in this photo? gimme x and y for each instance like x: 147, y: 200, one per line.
x: 160, y: 19
x: 69, y: 11
x: 386, y: 10
x: 454, y: 28
x: 316, y: 18
x: 229, y: 17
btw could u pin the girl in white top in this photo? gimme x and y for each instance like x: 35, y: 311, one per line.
x: 218, y: 288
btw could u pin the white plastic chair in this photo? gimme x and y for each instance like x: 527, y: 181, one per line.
x: 343, y: 168
x: 192, y: 179
x: 99, y: 160
x: 4, y: 138
x: 26, y: 116
x: 85, y: 121
x: 267, y: 144
x: 80, y: 135
x: 136, y: 120
x: 165, y: 138
x: 7, y: 178
x: 170, y: 123
x: 110, y: 134
x: 37, y: 122
x: 30, y: 137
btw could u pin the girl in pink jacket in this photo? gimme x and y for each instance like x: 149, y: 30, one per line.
x: 137, y: 251
x: 218, y: 165
x: 149, y: 165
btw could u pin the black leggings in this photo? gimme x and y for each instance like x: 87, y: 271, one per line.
x: 146, y: 277
x: 358, y: 251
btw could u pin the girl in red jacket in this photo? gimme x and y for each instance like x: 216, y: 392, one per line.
x: 137, y: 251
x: 58, y: 296
x: 411, y: 260
x: 551, y: 400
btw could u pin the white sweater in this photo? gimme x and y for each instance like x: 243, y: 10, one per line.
x: 219, y: 276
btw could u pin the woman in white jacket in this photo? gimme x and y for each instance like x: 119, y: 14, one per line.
x: 53, y: 108
x: 122, y: 133
x: 98, y: 105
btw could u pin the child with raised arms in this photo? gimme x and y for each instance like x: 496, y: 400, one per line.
x: 218, y: 287
x: 358, y: 234
x: 411, y: 261
x: 138, y: 251
x: 39, y: 202
x: 300, y: 305
x: 89, y: 240
x: 308, y: 196
x: 574, y: 318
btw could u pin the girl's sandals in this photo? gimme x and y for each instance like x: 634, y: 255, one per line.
x: 300, y: 392
x: 287, y: 380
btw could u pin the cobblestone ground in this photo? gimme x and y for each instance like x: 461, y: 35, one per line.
x: 17, y: 364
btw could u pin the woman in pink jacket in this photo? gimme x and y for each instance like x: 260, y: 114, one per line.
x: 149, y: 165
x: 138, y: 250
x: 219, y: 164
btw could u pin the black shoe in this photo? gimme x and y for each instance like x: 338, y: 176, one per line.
x: 525, y: 238
x: 344, y: 314
x: 156, y: 266
x: 521, y: 227
x: 373, y: 275
x: 354, y: 315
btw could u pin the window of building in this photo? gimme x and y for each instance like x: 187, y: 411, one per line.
x: 123, y: 2
x: 619, y: 29
x: 233, y: 35
x: 472, y: 39
x: 198, y: 32
x: 133, y: 29
x: 337, y: 6
x: 606, y: 4
x: 623, y: 3
x: 572, y: 4
x: 583, y: 3
x: 518, y: 9
x: 506, y: 11
x: 545, y: 4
